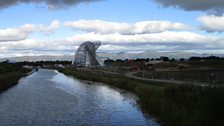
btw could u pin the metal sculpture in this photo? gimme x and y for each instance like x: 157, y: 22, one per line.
x: 85, y: 55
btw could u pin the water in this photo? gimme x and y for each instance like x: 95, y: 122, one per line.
x: 49, y: 98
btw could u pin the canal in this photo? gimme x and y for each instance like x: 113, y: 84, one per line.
x: 50, y: 98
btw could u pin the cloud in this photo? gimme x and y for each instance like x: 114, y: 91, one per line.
x: 103, y: 27
x: 23, y: 32
x: 158, y: 36
x: 212, y: 23
x: 51, y: 4
x: 16, y: 34
x: 35, y: 47
x: 145, y: 47
x: 164, y: 37
x: 165, y: 41
x: 51, y: 28
x: 211, y: 6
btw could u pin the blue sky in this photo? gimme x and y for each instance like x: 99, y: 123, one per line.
x: 111, y: 10
x: 121, y: 25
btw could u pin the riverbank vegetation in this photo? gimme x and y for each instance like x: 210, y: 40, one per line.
x: 172, y: 105
x: 10, y: 74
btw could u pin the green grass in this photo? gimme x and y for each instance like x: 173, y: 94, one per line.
x: 173, y: 105
x: 10, y: 74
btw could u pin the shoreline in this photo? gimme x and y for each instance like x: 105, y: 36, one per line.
x: 168, y: 104
x: 12, y: 77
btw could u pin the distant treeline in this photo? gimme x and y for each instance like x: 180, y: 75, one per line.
x: 140, y: 59
x: 41, y: 63
x: 163, y: 58
x: 209, y: 58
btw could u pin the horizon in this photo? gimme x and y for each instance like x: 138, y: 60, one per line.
x: 102, y: 56
x: 58, y: 28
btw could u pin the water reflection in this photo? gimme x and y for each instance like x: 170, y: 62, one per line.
x: 51, y: 98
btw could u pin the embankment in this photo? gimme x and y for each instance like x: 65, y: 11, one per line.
x: 10, y: 75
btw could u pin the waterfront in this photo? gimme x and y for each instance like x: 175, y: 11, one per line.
x: 48, y: 97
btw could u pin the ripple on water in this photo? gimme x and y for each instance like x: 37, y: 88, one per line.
x: 51, y: 98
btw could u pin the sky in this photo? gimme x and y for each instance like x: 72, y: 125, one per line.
x: 56, y: 27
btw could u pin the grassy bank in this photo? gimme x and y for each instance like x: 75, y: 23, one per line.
x: 10, y: 74
x: 173, y: 105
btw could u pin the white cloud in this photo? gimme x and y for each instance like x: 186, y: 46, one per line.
x: 165, y: 41
x: 212, y: 23
x: 23, y: 32
x: 16, y: 34
x: 51, y: 28
x: 164, y: 37
x: 113, y: 47
x: 103, y: 27
x: 139, y: 48
x: 34, y: 47
x: 140, y: 36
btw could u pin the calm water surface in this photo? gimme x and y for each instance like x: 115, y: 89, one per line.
x: 50, y: 98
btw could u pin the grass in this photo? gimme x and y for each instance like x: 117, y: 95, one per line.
x: 172, y: 105
x: 10, y: 74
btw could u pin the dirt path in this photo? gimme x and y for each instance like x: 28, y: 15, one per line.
x: 131, y: 75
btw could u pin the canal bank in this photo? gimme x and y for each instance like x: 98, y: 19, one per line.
x: 48, y: 97
x: 10, y: 74
x: 173, y: 105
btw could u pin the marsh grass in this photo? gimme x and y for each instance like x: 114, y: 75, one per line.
x: 10, y: 74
